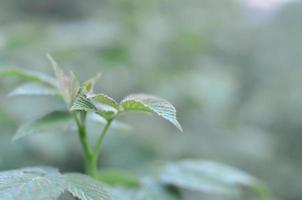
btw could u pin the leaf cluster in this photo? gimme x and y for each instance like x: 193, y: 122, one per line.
x: 82, y: 103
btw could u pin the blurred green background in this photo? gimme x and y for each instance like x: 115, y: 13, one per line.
x: 232, y: 69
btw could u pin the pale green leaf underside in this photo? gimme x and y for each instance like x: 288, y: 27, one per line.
x: 102, y: 98
x: 51, y: 123
x: 31, y: 89
x: 82, y: 103
x: 31, y: 183
x: 105, y: 110
x: 85, y: 188
x: 29, y: 76
x: 206, y: 176
x: 148, y: 103
x: 47, y: 183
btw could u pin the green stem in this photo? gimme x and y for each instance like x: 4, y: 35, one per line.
x: 91, y: 155
x: 101, y: 138
x: 90, y: 169
x: 96, y: 149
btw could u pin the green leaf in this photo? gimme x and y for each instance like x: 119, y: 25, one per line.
x: 29, y: 76
x: 31, y: 183
x: 102, y: 98
x: 82, y: 103
x: 107, y: 106
x: 88, y: 86
x: 148, y: 103
x: 69, y: 86
x: 34, y: 89
x: 50, y: 123
x: 118, y: 178
x: 150, y: 190
x: 85, y: 188
x: 106, y: 111
x: 207, y: 176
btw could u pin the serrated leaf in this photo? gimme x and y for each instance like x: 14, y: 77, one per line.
x: 207, y: 176
x: 88, y: 86
x: 69, y: 86
x: 150, y: 190
x: 102, y: 98
x: 107, y: 106
x: 34, y: 90
x: 50, y: 123
x: 148, y: 103
x: 82, y: 103
x: 31, y: 183
x: 29, y: 76
x: 85, y: 188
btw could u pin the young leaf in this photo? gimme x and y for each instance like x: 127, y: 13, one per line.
x: 148, y: 103
x: 85, y: 188
x: 102, y: 98
x: 29, y: 76
x: 207, y: 176
x: 34, y: 89
x: 82, y: 103
x: 106, y: 111
x: 69, y: 86
x: 31, y: 183
x: 50, y: 123
x: 88, y: 86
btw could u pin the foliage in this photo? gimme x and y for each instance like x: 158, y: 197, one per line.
x: 50, y: 123
x: 81, y: 102
x: 207, y: 176
x: 44, y: 183
x: 85, y: 188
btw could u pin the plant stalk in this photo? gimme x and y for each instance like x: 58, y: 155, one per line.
x: 81, y: 124
x: 96, y: 149
x: 101, y: 138
x: 91, y: 155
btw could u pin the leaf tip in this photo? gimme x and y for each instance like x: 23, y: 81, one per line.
x: 52, y: 61
x: 179, y: 127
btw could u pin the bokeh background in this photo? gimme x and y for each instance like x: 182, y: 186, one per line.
x: 232, y: 68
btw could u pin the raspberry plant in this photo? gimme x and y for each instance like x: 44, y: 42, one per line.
x: 47, y: 183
